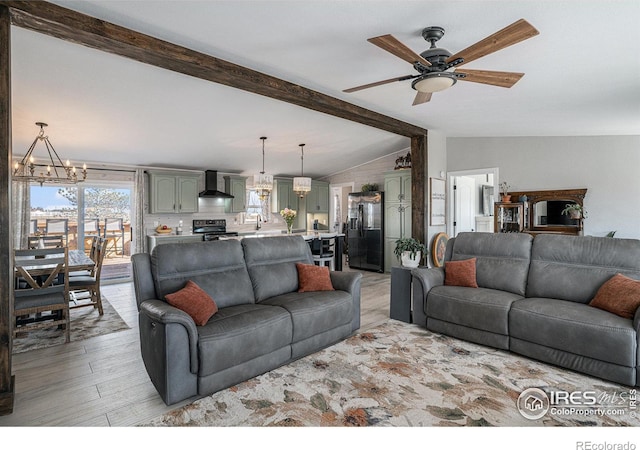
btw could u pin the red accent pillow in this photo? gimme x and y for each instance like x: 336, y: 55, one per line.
x: 460, y: 273
x: 194, y: 301
x: 619, y: 295
x: 313, y: 278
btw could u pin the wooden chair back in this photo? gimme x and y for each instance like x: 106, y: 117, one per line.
x: 39, y: 289
x: 45, y: 242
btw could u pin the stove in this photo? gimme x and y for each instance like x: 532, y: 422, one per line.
x: 212, y: 229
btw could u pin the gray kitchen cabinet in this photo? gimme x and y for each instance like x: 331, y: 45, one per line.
x: 236, y: 186
x: 284, y: 197
x: 397, y: 213
x: 171, y: 193
x: 318, y: 198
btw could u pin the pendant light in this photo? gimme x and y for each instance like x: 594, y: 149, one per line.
x: 302, y: 184
x: 56, y: 170
x: 262, y: 182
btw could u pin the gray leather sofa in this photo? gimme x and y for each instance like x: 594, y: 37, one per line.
x: 262, y: 321
x: 532, y: 299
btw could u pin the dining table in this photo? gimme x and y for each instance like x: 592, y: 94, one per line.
x: 78, y: 261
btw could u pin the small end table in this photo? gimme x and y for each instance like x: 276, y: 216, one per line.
x: 400, y: 308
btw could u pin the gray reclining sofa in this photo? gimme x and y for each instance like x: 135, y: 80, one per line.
x: 262, y: 322
x: 532, y: 299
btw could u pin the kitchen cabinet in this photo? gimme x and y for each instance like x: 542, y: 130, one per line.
x: 318, y: 197
x: 284, y: 197
x: 397, y: 213
x: 236, y: 186
x: 508, y: 217
x: 172, y: 193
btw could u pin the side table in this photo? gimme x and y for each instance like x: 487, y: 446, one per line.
x: 400, y: 308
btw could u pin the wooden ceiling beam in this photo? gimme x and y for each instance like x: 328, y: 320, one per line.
x: 72, y: 26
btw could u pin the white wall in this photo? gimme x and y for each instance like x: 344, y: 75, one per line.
x: 608, y: 166
x: 436, y: 163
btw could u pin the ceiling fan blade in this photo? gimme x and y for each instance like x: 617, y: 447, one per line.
x: 502, y: 79
x: 379, y: 83
x: 421, y: 97
x: 397, y: 48
x: 512, y: 34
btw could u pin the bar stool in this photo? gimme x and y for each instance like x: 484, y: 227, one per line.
x: 322, y: 252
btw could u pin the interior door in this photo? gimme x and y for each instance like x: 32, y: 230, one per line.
x: 464, y: 202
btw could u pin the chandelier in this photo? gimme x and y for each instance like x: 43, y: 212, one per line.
x: 262, y: 182
x: 56, y: 171
x: 302, y: 184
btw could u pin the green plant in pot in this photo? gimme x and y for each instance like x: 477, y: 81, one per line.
x: 574, y: 211
x: 409, y: 251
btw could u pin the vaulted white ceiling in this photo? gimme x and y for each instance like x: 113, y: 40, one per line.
x: 582, y: 77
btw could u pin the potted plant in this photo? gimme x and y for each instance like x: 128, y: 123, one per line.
x: 574, y: 211
x: 504, y: 188
x: 409, y: 251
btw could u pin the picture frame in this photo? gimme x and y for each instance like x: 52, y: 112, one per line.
x: 438, y: 249
x: 437, y: 205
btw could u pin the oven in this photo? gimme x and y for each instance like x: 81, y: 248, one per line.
x: 212, y: 229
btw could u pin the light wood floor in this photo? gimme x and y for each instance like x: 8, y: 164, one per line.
x: 102, y: 381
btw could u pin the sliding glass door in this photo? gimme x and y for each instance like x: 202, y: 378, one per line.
x: 78, y: 212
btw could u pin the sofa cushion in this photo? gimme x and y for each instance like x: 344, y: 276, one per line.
x: 313, y: 278
x: 482, y: 309
x: 502, y: 258
x: 194, y: 301
x: 315, y: 312
x: 619, y: 295
x: 575, y: 328
x: 460, y: 273
x: 216, y: 266
x: 238, y: 334
x: 271, y: 262
x: 574, y: 267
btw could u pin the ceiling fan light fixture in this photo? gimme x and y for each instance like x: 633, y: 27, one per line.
x: 434, y: 82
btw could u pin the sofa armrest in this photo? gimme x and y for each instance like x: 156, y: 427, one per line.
x: 349, y: 282
x: 158, y: 311
x: 423, y: 280
x: 636, y: 323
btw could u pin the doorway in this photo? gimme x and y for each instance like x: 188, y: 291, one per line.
x: 470, y: 201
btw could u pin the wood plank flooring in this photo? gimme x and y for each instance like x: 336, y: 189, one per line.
x: 102, y: 381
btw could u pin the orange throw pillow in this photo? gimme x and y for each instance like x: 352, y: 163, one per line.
x: 194, y: 301
x: 313, y: 278
x: 460, y: 273
x: 619, y: 295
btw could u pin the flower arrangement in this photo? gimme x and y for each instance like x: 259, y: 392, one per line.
x: 289, y: 216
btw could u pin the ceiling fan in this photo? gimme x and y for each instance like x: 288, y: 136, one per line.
x: 433, y: 64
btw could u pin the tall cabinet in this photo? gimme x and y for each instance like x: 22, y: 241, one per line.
x: 397, y: 213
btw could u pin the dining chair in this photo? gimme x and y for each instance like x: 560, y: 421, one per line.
x: 114, y: 229
x: 322, y: 251
x: 83, y: 287
x: 33, y: 226
x: 42, y: 293
x: 93, y: 246
x: 54, y: 241
x: 57, y: 227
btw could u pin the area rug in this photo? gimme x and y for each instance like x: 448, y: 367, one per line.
x: 403, y: 375
x: 85, y: 323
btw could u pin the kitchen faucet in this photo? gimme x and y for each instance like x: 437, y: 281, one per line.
x: 258, y: 220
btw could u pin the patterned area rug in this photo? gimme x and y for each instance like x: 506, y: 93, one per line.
x: 85, y: 323
x: 403, y: 375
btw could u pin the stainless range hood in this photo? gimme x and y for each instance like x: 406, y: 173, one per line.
x: 211, y: 186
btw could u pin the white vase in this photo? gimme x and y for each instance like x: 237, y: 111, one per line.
x: 408, y: 261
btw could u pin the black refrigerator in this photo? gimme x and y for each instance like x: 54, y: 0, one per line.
x: 365, y: 231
